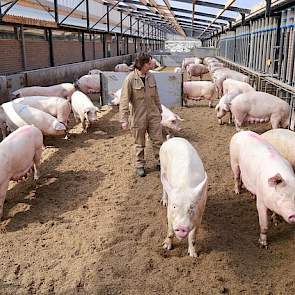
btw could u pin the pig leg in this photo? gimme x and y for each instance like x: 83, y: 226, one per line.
x: 167, y: 244
x: 263, y: 222
x: 230, y: 120
x: 192, y: 242
x: 164, y: 200
x: 3, y: 130
x: 3, y: 190
x: 37, y: 161
x: 237, y: 176
x: 275, y: 122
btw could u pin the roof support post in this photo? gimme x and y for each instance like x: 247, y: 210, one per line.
x: 87, y: 14
x: 108, y: 18
x: 130, y: 24
x: 56, y: 11
x: 267, y: 8
x: 121, y: 22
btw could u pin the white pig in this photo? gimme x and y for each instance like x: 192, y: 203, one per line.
x: 224, y: 106
x: 284, y: 141
x: 266, y: 174
x: 19, y: 153
x: 64, y: 90
x: 18, y: 115
x: 84, y: 109
x: 121, y: 68
x: 116, y: 97
x: 88, y: 83
x: 94, y: 72
x: 197, y: 90
x: 55, y: 106
x: 230, y: 85
x: 255, y: 107
x: 184, y: 183
x: 170, y: 121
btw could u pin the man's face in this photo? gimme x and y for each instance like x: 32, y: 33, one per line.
x: 147, y: 66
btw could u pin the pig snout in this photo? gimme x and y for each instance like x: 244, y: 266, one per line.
x: 291, y: 218
x: 182, y: 231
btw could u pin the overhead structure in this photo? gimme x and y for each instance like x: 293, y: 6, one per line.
x: 191, y: 18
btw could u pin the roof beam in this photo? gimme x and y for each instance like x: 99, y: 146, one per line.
x: 205, y: 21
x: 218, y: 6
x: 202, y: 14
x: 226, y: 6
x: 199, y: 24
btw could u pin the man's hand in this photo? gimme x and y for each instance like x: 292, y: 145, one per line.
x: 125, y: 125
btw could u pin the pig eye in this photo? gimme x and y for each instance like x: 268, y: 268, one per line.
x: 173, y: 121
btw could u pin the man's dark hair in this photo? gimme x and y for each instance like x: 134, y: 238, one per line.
x: 141, y: 59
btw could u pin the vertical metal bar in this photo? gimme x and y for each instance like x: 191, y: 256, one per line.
x: 127, y: 44
x: 121, y: 22
x: 138, y: 27
x: 56, y: 11
x: 83, y: 45
x: 23, y: 46
x: 282, y: 40
x: 51, y: 54
x: 104, y: 45
x: 108, y: 18
x: 117, y: 40
x: 130, y: 24
x: 93, y: 44
x: 87, y: 14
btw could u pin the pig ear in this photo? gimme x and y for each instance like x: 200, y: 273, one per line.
x: 167, y: 187
x: 200, y: 188
x: 275, y: 180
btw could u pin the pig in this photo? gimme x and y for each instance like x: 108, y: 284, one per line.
x: 230, y: 85
x: 224, y: 106
x: 190, y: 60
x: 121, y: 68
x: 88, y: 84
x: 55, y: 106
x: 116, y: 97
x: 19, y: 153
x: 258, y: 107
x: 198, y: 90
x: 222, y: 74
x: 266, y: 174
x: 170, y: 121
x: 64, y: 90
x: 212, y: 65
x: 18, y: 115
x: 84, y: 110
x: 284, y: 141
x: 184, y: 183
x: 196, y: 70
x: 208, y: 60
x: 94, y: 72
x: 177, y: 70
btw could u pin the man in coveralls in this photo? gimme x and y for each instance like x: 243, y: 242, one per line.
x: 140, y: 90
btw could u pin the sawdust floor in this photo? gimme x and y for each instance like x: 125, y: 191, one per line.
x: 90, y: 226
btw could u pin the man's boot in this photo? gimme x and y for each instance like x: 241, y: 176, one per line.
x: 141, y: 172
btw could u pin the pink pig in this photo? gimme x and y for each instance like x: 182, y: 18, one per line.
x: 255, y: 107
x: 266, y: 174
x: 19, y: 153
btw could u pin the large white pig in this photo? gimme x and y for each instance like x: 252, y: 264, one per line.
x: 121, y: 68
x: 197, y: 90
x: 94, y: 72
x: 184, y: 183
x: 207, y: 60
x: 222, y: 74
x: 266, y: 174
x: 116, y: 97
x: 258, y: 107
x: 64, y: 90
x: 88, y: 83
x: 196, y: 70
x: 56, y: 106
x: 18, y: 115
x: 224, y: 106
x: 284, y: 141
x: 170, y: 121
x: 190, y: 60
x: 84, y: 110
x: 230, y: 85
x: 19, y: 153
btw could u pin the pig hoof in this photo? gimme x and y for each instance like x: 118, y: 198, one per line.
x: 263, y: 243
x: 237, y: 191
x: 164, y: 202
x: 192, y: 253
x: 167, y: 245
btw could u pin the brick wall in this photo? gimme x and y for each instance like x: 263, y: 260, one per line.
x: 66, y: 51
x: 37, y: 54
x: 88, y: 45
x: 10, y: 57
x: 98, y: 50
